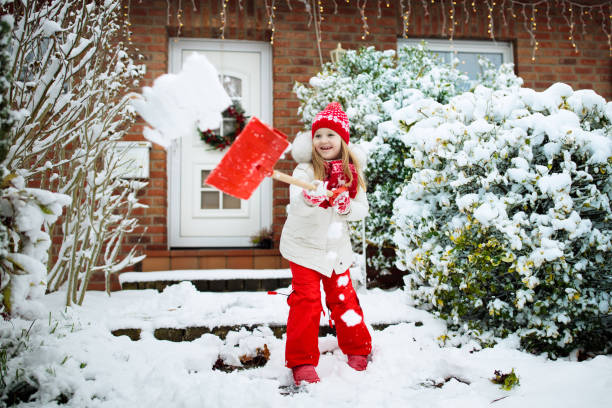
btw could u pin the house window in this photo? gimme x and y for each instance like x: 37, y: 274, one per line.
x: 467, y: 52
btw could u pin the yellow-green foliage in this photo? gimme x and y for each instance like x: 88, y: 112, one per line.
x: 506, y: 381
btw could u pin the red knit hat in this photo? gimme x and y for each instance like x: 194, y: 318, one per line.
x: 334, y: 118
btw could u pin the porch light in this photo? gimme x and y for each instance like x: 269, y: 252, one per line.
x: 336, y: 55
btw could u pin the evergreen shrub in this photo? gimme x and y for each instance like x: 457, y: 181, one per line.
x: 505, y: 225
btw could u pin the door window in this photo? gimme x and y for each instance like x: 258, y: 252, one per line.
x: 213, y: 199
x: 210, y: 197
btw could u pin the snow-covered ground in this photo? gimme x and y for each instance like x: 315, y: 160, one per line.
x: 74, y: 351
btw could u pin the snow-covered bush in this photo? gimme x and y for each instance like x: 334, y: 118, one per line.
x: 71, y: 75
x: 27, y: 214
x: 370, y: 83
x: 506, y: 224
x: 497, y: 78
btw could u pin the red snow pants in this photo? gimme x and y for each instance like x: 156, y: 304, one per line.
x: 305, y: 309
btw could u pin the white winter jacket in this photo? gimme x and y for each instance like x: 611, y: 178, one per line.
x: 315, y: 237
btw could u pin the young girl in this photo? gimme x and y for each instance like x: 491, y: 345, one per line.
x: 315, y: 241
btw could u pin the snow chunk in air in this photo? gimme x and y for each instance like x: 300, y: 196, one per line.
x: 178, y: 103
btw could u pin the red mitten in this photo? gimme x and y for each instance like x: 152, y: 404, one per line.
x: 318, y: 196
x: 337, y: 178
x: 341, y: 202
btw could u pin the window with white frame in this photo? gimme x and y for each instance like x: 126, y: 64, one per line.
x: 466, y: 51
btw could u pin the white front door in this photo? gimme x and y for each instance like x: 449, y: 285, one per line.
x: 199, y: 215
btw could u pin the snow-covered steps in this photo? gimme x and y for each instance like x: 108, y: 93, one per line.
x: 210, y: 280
x: 182, y: 313
x: 193, y: 333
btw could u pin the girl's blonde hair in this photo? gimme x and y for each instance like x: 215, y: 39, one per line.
x: 347, y: 157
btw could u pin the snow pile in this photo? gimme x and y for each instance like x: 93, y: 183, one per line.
x: 179, y: 103
x: 72, y: 360
x: 506, y: 222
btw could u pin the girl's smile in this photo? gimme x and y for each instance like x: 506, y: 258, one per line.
x: 327, y: 143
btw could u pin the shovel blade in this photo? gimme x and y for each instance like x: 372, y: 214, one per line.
x: 249, y: 160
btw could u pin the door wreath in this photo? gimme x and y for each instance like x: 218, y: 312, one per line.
x: 231, y: 129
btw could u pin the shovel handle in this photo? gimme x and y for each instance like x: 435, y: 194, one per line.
x: 285, y: 178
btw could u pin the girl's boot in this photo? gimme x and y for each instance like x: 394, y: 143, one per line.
x: 305, y: 372
x: 359, y: 363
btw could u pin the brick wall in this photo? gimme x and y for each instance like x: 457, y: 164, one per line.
x: 296, y: 58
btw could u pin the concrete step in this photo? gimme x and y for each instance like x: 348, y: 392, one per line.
x: 209, y: 280
x: 192, y: 333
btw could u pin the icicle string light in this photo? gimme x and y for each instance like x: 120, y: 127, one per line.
x: 424, y: 2
x: 306, y: 4
x: 270, y: 11
x: 534, y: 43
x: 224, y: 17
x: 179, y: 19
x: 405, y: 17
x: 574, y: 13
x: 453, y: 20
x: 364, y: 19
x: 503, y: 13
x: 128, y: 24
x: 490, y: 14
x: 167, y: 12
x: 442, y: 8
x: 321, y: 10
x: 317, y: 23
x: 408, y: 14
x: 606, y: 30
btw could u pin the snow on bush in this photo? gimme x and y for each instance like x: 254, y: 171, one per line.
x: 371, y: 85
x: 27, y: 213
x: 505, y: 224
x: 72, y: 72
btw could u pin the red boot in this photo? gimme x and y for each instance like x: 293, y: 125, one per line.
x: 305, y: 372
x: 359, y: 363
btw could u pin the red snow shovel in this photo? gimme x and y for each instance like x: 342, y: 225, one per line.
x: 250, y: 159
